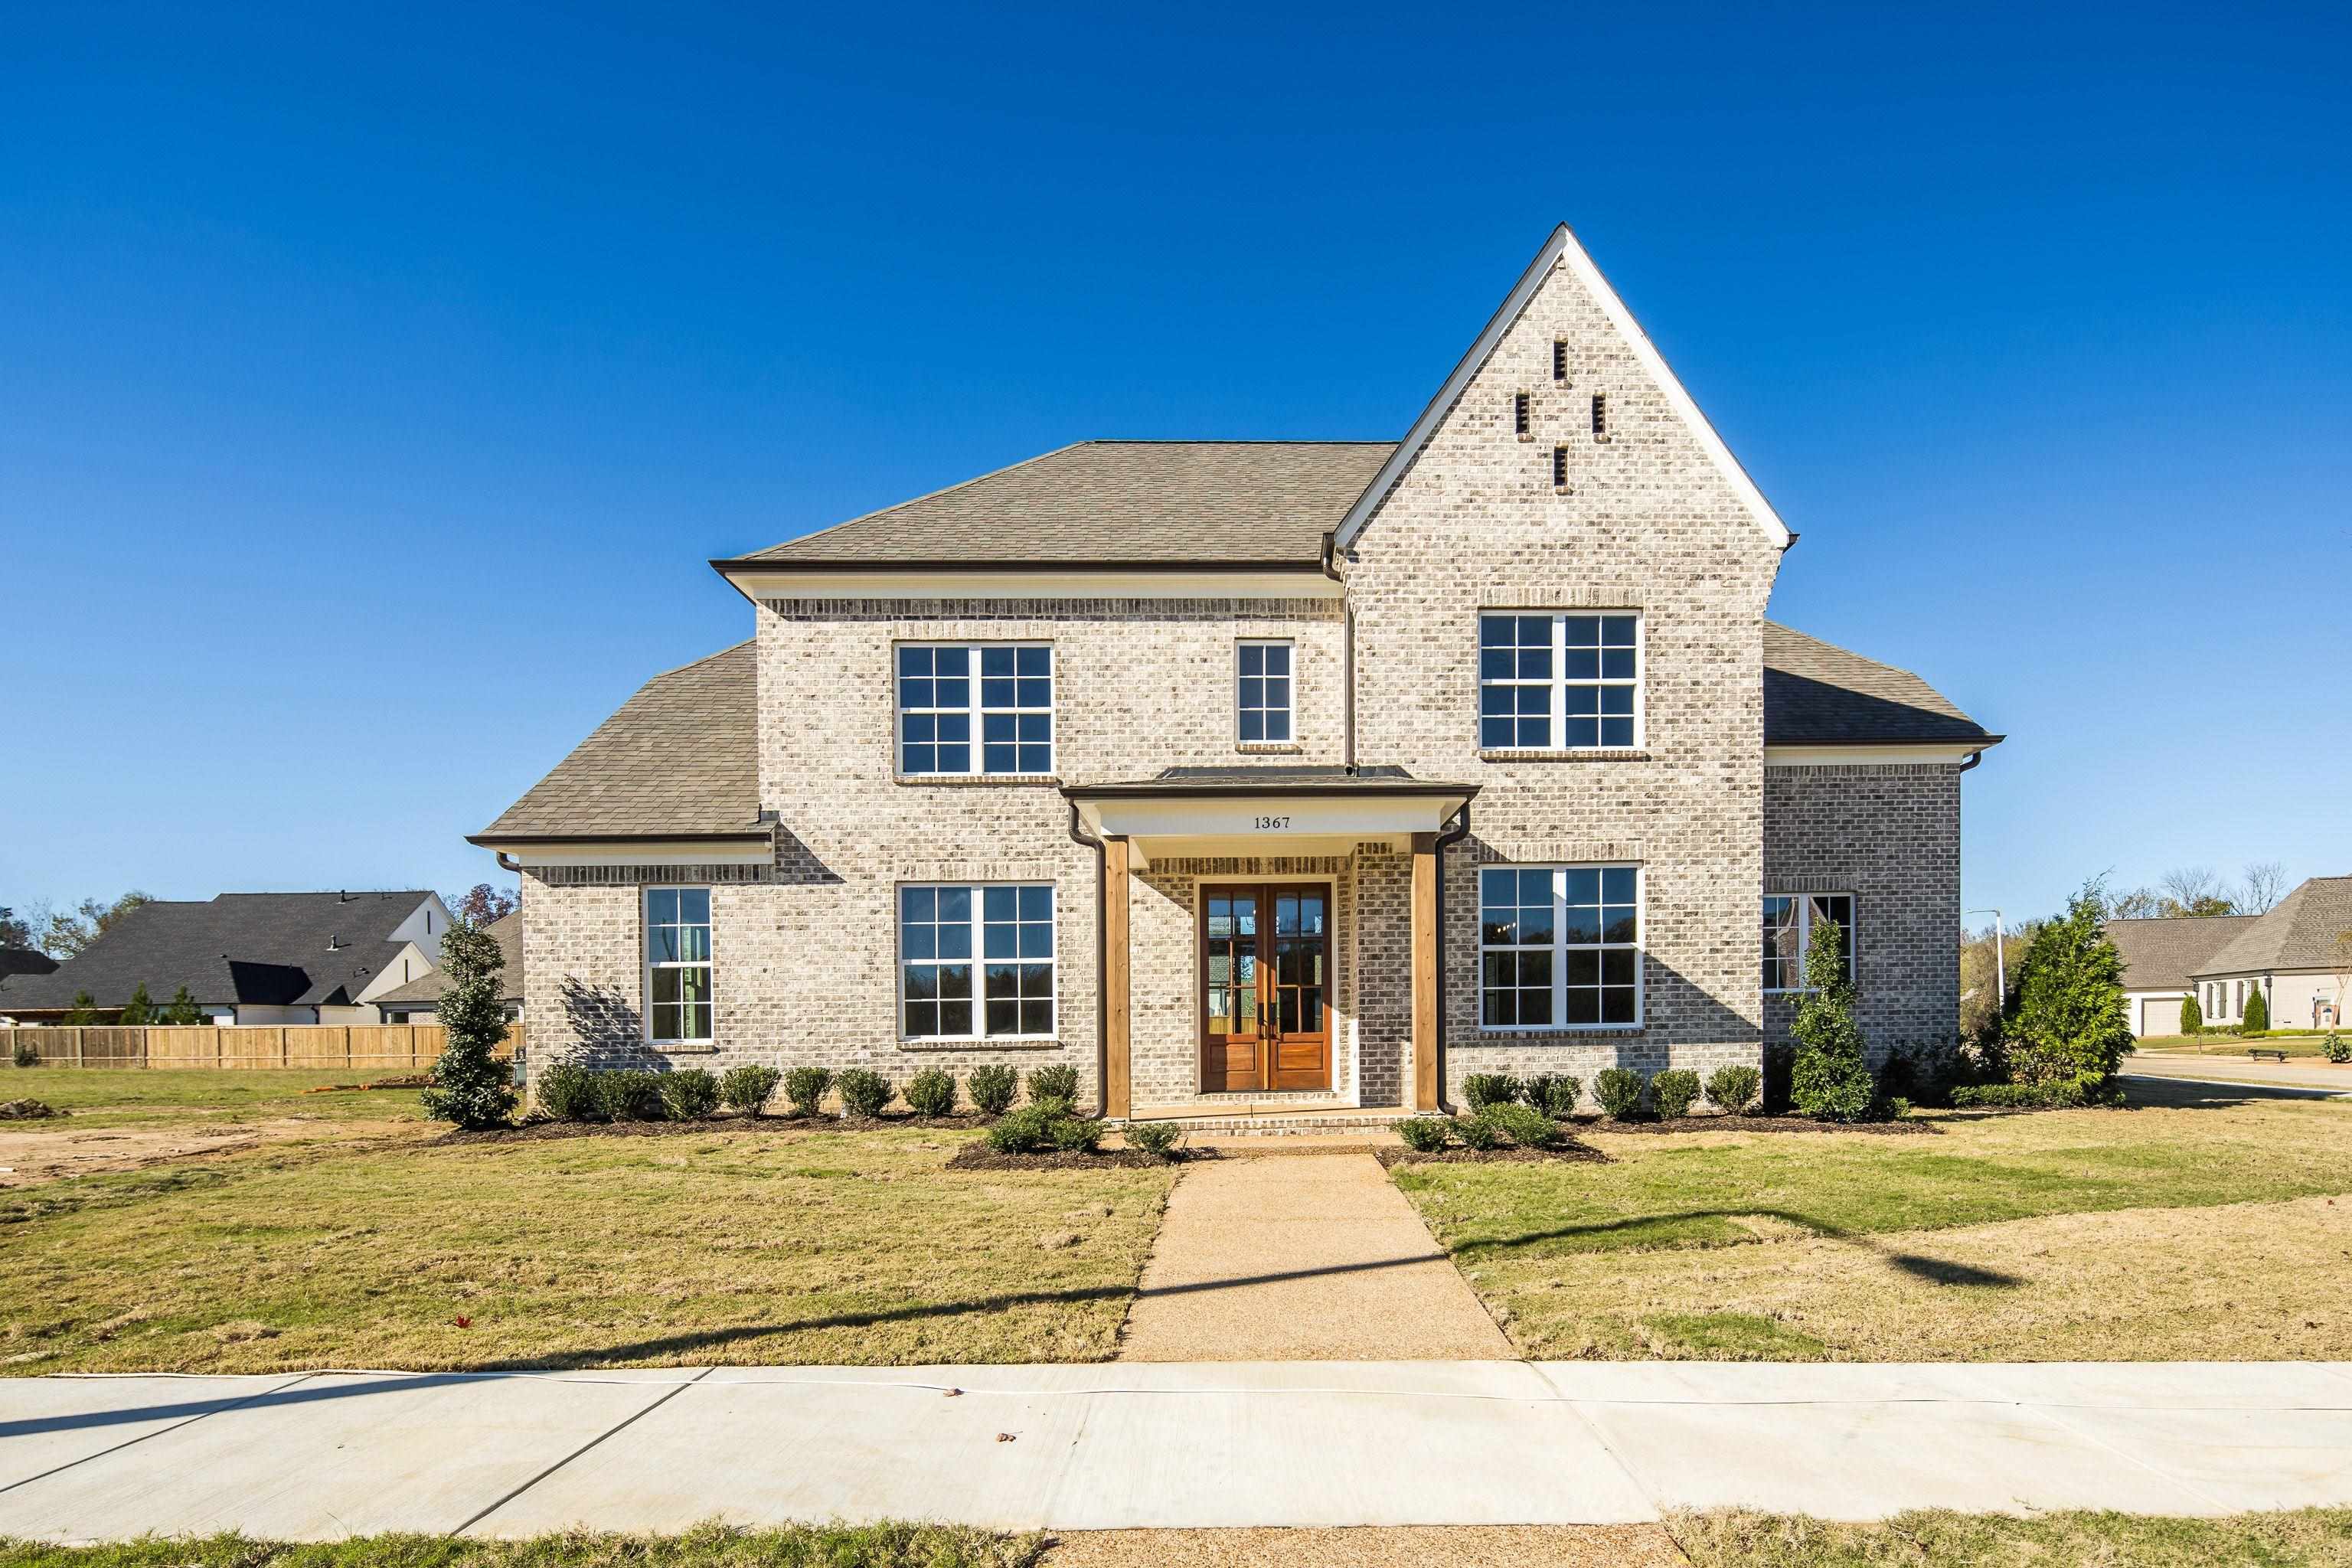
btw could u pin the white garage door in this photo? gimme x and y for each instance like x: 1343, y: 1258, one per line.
x: 2159, y: 1016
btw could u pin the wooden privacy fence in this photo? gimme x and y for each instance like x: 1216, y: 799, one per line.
x: 397, y: 1048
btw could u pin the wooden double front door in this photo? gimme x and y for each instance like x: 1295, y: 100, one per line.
x: 1266, y: 965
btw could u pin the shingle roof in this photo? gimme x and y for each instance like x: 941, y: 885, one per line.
x: 259, y: 949
x: 1816, y: 693
x: 2300, y: 933
x: 2160, y: 955
x: 427, y: 987
x: 1134, y: 502
x: 679, y: 758
x: 24, y: 961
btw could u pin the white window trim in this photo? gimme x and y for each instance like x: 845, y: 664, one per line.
x: 1561, y: 682
x: 977, y: 710
x: 1805, y: 936
x: 1291, y: 712
x: 646, y: 923
x: 1560, y: 950
x: 979, y: 1034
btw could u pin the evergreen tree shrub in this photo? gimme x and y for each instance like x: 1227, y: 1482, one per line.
x: 2069, y: 1022
x: 83, y: 1013
x: 182, y: 1010
x: 931, y: 1092
x: 1673, y: 1091
x: 1733, y: 1090
x: 140, y: 1009
x: 1619, y: 1090
x: 1554, y: 1094
x: 1485, y: 1089
x: 691, y: 1093
x: 993, y: 1086
x: 2192, y: 1016
x: 1059, y: 1081
x: 2258, y: 1011
x: 1830, y: 1080
x: 471, y: 1087
x: 805, y: 1087
x: 745, y: 1090
x: 863, y: 1092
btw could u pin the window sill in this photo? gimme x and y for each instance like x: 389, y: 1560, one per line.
x: 1561, y: 1034
x: 1269, y: 748
x: 988, y: 1043
x: 684, y: 1048
x: 1574, y: 754
x: 969, y: 781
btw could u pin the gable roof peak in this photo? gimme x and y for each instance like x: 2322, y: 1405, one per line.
x: 1560, y: 252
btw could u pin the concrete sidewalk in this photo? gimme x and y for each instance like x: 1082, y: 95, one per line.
x: 1122, y: 1446
x: 2298, y: 1077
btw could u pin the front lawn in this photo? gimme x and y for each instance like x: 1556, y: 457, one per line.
x: 2210, y: 1232
x: 196, y: 1097
x: 825, y: 1546
x: 726, y: 1245
x: 2309, y: 1538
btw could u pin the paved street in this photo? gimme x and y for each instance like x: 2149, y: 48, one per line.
x: 1168, y: 1445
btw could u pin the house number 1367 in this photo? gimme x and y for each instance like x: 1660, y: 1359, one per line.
x: 1275, y: 823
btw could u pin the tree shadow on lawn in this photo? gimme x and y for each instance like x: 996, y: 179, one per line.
x: 1934, y: 1271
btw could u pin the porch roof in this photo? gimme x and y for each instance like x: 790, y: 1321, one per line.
x: 1284, y: 809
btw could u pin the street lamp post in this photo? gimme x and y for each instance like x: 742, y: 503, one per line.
x: 1999, y: 960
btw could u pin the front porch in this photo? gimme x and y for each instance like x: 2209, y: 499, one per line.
x: 1270, y: 954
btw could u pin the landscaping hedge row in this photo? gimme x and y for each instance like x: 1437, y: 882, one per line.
x: 572, y: 1091
x: 1620, y: 1091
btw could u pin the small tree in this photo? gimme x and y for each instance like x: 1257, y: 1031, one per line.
x: 1830, y: 1080
x: 83, y: 1011
x: 140, y: 1009
x: 470, y: 1086
x: 2258, y: 1011
x: 182, y: 1009
x: 2069, y: 1023
x: 2192, y: 1016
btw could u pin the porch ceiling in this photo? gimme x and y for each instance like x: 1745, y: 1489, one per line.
x: 1261, y: 811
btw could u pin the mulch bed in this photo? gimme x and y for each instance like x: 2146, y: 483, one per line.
x: 1570, y: 1151
x: 1902, y: 1129
x: 534, y: 1132
x: 979, y: 1156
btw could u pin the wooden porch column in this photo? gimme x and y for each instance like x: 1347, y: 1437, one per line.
x: 1119, y: 1066
x: 1426, y: 978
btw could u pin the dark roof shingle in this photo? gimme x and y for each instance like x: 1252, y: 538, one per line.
x: 1816, y: 693
x: 2160, y: 955
x: 2300, y: 933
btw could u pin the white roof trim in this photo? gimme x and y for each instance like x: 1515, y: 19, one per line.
x: 1561, y: 246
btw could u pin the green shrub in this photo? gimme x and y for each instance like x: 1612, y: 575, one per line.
x: 1831, y: 1079
x: 931, y: 1092
x: 1554, y: 1094
x: 746, y: 1088
x: 631, y: 1094
x: 2258, y: 1010
x: 863, y: 1092
x: 28, y: 1054
x: 1522, y: 1125
x: 992, y: 1088
x: 471, y: 1086
x: 1619, y: 1090
x: 1425, y: 1134
x: 2335, y: 1050
x: 2055, y: 1094
x: 1485, y: 1089
x: 2068, y: 1020
x: 1674, y: 1091
x: 1043, y: 1125
x: 805, y: 1087
x: 568, y: 1092
x: 691, y: 1093
x: 1479, y: 1132
x: 1057, y: 1082
x: 2192, y: 1016
x: 1733, y: 1090
x: 183, y: 1011
x: 1158, y: 1139
x: 1075, y: 1134
x: 140, y: 1009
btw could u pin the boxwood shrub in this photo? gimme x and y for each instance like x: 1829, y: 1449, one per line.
x: 691, y: 1093
x: 1057, y: 1082
x: 1425, y: 1134
x: 746, y: 1088
x: 806, y: 1087
x: 1480, y: 1131
x: 1041, y: 1126
x: 1733, y: 1090
x: 568, y: 1092
x: 1673, y: 1091
x: 1485, y: 1089
x: 863, y: 1092
x: 1522, y: 1124
x: 992, y: 1088
x: 631, y: 1094
x: 1554, y: 1094
x: 1158, y: 1139
x: 931, y: 1092
x: 1619, y: 1090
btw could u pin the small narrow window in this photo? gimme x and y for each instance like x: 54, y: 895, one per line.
x: 1559, y: 360
x: 1522, y: 416
x: 1601, y: 416
x: 1559, y: 467
x: 678, y: 964
x: 1264, y: 704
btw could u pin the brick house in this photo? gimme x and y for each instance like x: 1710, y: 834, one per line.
x: 1256, y: 776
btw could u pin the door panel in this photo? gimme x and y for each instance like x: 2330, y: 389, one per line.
x: 1265, y: 979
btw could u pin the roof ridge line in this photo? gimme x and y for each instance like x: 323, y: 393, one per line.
x: 911, y: 500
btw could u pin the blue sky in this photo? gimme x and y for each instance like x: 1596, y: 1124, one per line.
x: 373, y: 387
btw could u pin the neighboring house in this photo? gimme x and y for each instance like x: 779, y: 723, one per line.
x: 249, y: 958
x: 24, y: 961
x: 2294, y: 953
x: 2159, y: 955
x: 1271, y: 773
x: 419, y: 1000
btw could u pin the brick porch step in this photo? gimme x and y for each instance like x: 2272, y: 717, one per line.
x: 1271, y: 1118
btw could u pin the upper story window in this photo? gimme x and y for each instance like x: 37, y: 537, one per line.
x: 1558, y: 683
x: 1788, y: 922
x: 1559, y: 947
x: 1263, y: 692
x: 677, y: 965
x: 975, y: 708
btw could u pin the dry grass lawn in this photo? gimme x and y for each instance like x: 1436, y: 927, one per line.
x: 2310, y: 1538
x: 190, y: 1098
x: 2214, y: 1231
x: 744, y: 1245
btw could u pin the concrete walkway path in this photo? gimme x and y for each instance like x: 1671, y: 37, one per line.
x: 1106, y: 1446
x: 1300, y: 1256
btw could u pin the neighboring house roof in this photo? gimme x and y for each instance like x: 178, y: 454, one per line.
x: 2300, y: 933
x: 1118, y: 502
x: 680, y: 760
x: 255, y: 949
x: 1816, y: 693
x: 24, y: 961
x: 426, y: 989
x: 2161, y: 954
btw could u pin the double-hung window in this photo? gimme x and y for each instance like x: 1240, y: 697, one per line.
x: 1559, y: 947
x: 1000, y: 934
x: 1558, y: 683
x: 975, y: 708
x: 677, y: 965
x: 1263, y: 692
x: 1788, y: 922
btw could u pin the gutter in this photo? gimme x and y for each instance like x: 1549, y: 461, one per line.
x: 1347, y: 655
x: 1454, y: 835
x: 1078, y: 834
